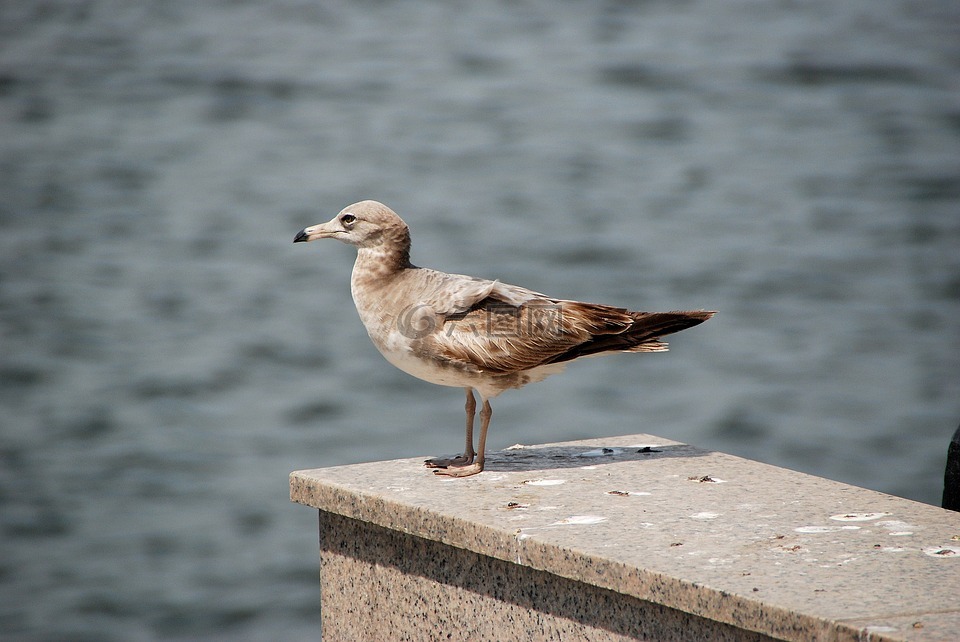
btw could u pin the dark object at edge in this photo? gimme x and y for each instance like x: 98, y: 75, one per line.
x: 951, y: 477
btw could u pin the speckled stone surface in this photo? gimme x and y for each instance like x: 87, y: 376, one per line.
x: 379, y: 584
x: 639, y: 525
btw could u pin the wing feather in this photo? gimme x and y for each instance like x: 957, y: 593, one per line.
x: 490, y: 327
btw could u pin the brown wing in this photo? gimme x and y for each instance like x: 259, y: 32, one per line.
x: 499, y: 338
x: 497, y: 328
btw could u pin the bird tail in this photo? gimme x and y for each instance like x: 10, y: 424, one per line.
x: 647, y: 328
x: 632, y: 332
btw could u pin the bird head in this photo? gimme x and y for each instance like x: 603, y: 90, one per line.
x: 363, y: 224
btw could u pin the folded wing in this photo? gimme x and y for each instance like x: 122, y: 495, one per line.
x: 496, y: 328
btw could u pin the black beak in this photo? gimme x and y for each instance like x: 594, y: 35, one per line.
x: 301, y: 236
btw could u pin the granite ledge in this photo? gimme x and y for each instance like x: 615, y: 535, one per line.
x: 771, y: 550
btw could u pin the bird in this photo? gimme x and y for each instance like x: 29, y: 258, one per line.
x: 480, y: 335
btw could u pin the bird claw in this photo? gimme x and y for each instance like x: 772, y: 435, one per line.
x: 452, y: 462
x: 460, y: 471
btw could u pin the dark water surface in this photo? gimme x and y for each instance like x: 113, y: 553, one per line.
x: 168, y: 355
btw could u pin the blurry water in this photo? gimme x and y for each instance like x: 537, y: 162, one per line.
x: 168, y: 356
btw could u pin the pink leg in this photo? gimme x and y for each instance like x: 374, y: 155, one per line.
x: 472, y: 469
x: 468, y: 454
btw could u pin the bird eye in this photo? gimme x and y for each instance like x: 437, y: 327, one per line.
x: 348, y: 219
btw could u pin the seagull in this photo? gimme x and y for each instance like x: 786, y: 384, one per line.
x: 480, y: 335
